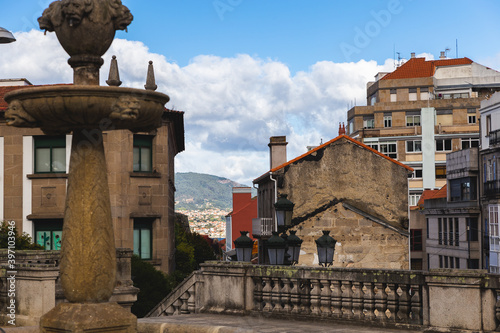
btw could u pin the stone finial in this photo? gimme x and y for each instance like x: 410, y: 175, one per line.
x: 114, y: 75
x: 150, y: 79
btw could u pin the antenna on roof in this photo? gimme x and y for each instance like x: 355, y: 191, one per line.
x: 446, y: 50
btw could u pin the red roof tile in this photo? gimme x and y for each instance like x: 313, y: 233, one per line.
x: 441, y: 193
x: 419, y: 67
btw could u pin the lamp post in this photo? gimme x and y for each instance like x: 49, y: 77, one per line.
x: 276, y: 249
x: 326, y: 248
x: 294, y: 244
x: 284, y: 211
x: 244, y: 245
x: 6, y: 36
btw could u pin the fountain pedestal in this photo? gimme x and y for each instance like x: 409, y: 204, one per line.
x: 86, y: 29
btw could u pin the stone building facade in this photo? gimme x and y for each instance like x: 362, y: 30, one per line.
x: 344, y: 186
x: 34, y: 167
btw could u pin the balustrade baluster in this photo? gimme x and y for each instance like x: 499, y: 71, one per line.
x: 266, y: 295
x: 295, y: 296
x: 170, y: 310
x: 257, y: 294
x: 316, y: 297
x: 336, y: 299
x: 305, y: 297
x: 380, y: 302
x: 357, y: 301
x: 369, y: 301
x: 191, y: 302
x: 184, y: 303
x: 404, y: 304
x: 393, y: 301
x: 325, y: 298
x: 347, y: 299
x: 286, y: 298
x: 416, y: 305
x: 276, y: 296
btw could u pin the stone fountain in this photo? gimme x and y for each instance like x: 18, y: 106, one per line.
x: 86, y: 29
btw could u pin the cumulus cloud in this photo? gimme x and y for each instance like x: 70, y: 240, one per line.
x: 232, y: 105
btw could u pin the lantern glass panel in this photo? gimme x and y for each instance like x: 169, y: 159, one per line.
x: 322, y: 255
x: 244, y: 254
x: 329, y: 255
x: 276, y: 256
x: 294, y: 252
x: 280, y: 215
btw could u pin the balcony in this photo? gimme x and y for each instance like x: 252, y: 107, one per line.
x: 491, y: 188
x: 262, y: 226
x: 494, y: 137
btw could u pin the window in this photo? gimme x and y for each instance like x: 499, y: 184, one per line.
x: 369, y: 122
x: 387, y: 121
x: 389, y: 149
x: 416, y: 240
x: 440, y: 171
x: 472, y: 230
x: 412, y: 94
x: 413, y: 146
x: 470, y: 143
x: 393, y: 95
x: 417, y: 173
x: 48, y: 233
x: 413, y: 120
x: 494, y: 237
x: 413, y: 199
x: 373, y: 99
x: 440, y: 231
x: 143, y: 157
x: 351, y: 126
x: 488, y: 125
x: 472, y: 118
x: 143, y: 244
x: 473, y: 264
x: 50, y: 154
x: 443, y: 145
x: 445, y: 231
x: 424, y: 93
x: 463, y: 189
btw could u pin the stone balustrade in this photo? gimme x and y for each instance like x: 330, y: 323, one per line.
x: 38, y: 287
x: 441, y: 299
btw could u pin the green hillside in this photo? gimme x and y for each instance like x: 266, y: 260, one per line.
x: 201, y: 191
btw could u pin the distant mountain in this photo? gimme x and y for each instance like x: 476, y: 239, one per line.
x: 201, y: 191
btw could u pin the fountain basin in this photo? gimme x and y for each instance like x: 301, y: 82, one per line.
x: 60, y: 109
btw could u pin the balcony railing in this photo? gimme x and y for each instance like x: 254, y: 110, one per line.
x: 494, y: 137
x: 492, y: 188
x: 262, y: 226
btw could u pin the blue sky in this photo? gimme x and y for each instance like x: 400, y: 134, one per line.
x: 244, y: 70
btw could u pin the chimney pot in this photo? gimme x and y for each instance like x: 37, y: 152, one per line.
x: 442, y: 55
x: 413, y: 54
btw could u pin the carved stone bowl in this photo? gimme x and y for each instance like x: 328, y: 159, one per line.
x: 60, y: 109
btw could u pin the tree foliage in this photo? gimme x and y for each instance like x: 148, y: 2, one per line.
x: 23, y: 241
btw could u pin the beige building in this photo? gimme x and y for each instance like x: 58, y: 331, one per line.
x: 422, y: 111
x: 357, y: 193
x: 34, y: 168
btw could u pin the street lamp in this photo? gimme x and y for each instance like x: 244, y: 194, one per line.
x: 284, y: 211
x: 244, y: 245
x: 294, y: 244
x: 326, y: 248
x: 6, y: 36
x: 276, y: 249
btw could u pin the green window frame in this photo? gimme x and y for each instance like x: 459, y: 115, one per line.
x: 143, y: 153
x: 50, y: 154
x: 143, y: 238
x: 48, y: 233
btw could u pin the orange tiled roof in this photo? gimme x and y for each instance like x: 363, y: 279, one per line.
x: 419, y: 67
x: 328, y: 143
x: 441, y: 193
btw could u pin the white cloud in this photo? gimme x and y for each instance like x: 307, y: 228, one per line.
x: 232, y: 105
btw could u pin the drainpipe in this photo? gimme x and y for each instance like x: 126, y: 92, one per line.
x: 275, y: 199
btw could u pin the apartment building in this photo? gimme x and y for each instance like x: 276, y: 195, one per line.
x: 34, y: 169
x: 422, y: 111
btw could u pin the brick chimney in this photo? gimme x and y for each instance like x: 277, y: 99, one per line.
x: 277, y: 150
x: 442, y: 55
x: 341, y: 129
x: 241, y: 197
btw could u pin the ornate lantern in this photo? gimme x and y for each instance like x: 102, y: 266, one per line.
x: 284, y: 211
x: 326, y: 248
x: 244, y: 245
x: 294, y: 244
x: 276, y: 249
